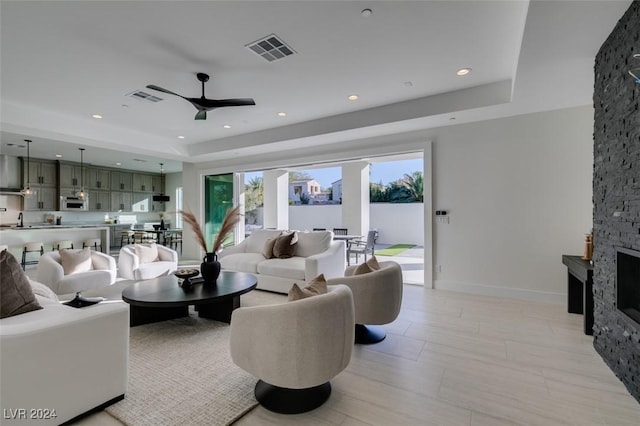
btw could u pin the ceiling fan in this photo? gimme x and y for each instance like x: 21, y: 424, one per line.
x: 203, y: 104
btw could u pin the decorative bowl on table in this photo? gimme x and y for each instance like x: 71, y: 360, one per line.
x: 185, y: 275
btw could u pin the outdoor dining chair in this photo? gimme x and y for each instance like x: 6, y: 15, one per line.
x: 364, y: 247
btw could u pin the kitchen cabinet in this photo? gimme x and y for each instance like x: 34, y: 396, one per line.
x: 142, y: 202
x: 41, y: 172
x: 70, y: 175
x: 99, y: 200
x: 43, y: 198
x: 98, y: 178
x: 156, y: 184
x: 121, y: 201
x: 121, y: 181
x: 142, y: 183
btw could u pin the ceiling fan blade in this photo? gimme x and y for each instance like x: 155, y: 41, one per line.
x: 210, y: 104
x: 236, y: 102
x: 160, y: 89
x: 201, y: 115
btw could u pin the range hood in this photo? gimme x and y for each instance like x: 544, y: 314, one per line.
x: 10, y: 182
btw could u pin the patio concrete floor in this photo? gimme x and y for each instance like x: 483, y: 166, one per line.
x: 411, y: 261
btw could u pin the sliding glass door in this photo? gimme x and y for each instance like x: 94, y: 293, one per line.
x: 218, y: 198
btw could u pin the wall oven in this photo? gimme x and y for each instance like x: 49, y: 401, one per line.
x: 74, y: 203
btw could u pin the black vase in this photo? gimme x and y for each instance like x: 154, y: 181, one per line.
x: 210, y: 268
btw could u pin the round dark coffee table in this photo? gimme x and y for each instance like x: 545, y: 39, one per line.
x: 160, y: 299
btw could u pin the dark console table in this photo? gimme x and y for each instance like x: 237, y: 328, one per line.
x: 580, y: 289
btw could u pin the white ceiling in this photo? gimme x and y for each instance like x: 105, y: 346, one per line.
x: 62, y: 61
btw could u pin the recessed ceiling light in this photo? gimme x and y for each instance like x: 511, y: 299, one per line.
x: 118, y: 164
x: 366, y: 13
x: 96, y: 116
x: 58, y: 156
x: 408, y: 83
x: 452, y: 118
x: 226, y: 126
x: 282, y: 114
x: 180, y: 137
x: 353, y: 97
x: 463, y: 71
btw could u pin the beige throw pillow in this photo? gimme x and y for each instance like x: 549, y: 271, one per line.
x: 368, y: 266
x: 284, y: 246
x: 146, y: 253
x: 75, y: 260
x: 42, y: 290
x: 373, y: 263
x: 363, y: 268
x: 316, y: 286
x: 16, y: 296
x: 267, y: 251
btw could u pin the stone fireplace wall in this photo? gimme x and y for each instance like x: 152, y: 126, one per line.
x: 616, y: 193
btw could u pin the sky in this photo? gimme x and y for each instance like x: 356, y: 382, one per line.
x: 386, y: 172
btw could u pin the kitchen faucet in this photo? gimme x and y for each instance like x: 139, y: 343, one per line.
x: 21, y: 225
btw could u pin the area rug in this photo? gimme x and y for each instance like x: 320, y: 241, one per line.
x: 180, y: 372
x: 394, y: 250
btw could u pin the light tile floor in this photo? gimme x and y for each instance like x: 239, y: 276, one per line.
x: 462, y: 359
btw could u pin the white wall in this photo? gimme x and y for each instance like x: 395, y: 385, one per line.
x: 315, y: 216
x: 398, y: 223
x: 519, y: 195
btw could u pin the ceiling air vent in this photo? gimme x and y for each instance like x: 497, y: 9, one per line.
x: 143, y: 96
x: 271, y: 48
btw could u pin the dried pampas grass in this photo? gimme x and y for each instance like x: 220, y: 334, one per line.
x: 190, y: 218
x: 231, y: 219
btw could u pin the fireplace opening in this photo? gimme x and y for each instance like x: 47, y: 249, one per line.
x: 628, y: 282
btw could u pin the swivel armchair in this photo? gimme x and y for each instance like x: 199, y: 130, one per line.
x: 295, y: 348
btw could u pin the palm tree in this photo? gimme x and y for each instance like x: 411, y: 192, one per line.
x: 253, y: 198
x: 414, y: 184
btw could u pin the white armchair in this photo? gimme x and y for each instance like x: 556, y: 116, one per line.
x: 295, y: 348
x: 130, y: 267
x: 50, y: 272
x: 377, y: 297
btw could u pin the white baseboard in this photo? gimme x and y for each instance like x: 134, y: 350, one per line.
x: 504, y: 292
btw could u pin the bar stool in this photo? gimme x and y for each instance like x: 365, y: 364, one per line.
x: 175, y: 238
x: 62, y: 244
x: 126, y: 236
x: 93, y: 243
x: 144, y: 237
x: 31, y: 248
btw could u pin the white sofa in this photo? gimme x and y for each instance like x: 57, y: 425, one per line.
x: 50, y: 272
x: 129, y: 265
x: 64, y: 359
x: 315, y: 253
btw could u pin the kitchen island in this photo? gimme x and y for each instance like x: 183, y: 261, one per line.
x: 15, y: 237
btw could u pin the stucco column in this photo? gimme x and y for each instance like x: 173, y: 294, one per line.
x: 276, y: 199
x: 355, y: 197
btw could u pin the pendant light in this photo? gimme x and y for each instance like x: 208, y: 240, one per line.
x: 81, y: 194
x: 26, y: 191
x: 161, y: 198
